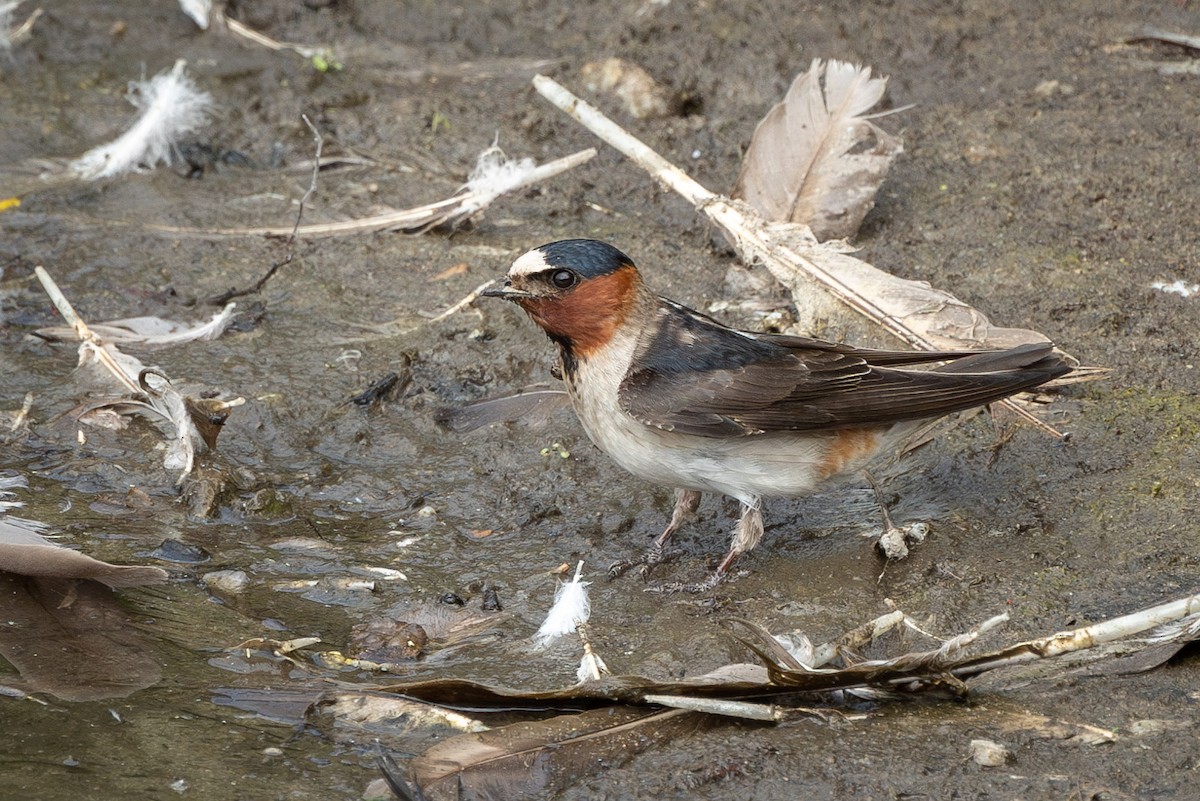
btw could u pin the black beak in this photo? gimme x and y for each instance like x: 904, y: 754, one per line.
x: 507, y: 292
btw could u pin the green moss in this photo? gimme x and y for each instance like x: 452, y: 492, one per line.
x: 1163, y: 429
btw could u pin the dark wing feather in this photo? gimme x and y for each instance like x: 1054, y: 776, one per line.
x: 696, y: 376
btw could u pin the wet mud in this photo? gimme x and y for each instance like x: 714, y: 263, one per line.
x: 1049, y: 178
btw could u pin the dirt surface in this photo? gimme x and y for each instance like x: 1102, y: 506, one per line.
x: 1049, y: 178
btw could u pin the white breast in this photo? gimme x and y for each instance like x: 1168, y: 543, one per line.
x: 742, y: 467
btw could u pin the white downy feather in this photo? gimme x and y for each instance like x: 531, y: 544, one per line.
x: 591, y: 667
x: 495, y: 174
x: 172, y: 106
x: 199, y: 10
x: 571, y: 607
x: 6, y: 15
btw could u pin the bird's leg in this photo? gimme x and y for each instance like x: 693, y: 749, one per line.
x: 686, y: 504
x: 888, y: 525
x: 746, y: 535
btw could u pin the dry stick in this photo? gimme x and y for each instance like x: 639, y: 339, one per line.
x: 1083, y: 638
x: 222, y: 299
x: 85, y: 334
x: 752, y: 239
x: 420, y: 218
x: 245, y: 31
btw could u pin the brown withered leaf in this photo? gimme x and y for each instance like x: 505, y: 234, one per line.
x: 23, y: 550
x: 814, y: 158
x: 535, y: 758
x: 72, y: 639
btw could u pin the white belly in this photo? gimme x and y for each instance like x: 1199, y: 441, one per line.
x: 780, y: 465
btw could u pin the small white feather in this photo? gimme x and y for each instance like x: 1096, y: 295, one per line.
x: 495, y: 173
x: 199, y: 10
x: 571, y: 607
x: 591, y: 668
x: 6, y: 15
x: 172, y: 106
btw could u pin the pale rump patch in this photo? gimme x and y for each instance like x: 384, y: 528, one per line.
x: 848, y: 447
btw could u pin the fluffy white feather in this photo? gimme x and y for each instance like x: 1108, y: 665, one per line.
x: 571, y: 607
x: 6, y: 15
x: 591, y: 667
x: 495, y: 173
x: 172, y: 106
x: 199, y: 10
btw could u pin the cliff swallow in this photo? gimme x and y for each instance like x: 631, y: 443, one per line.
x: 677, y: 398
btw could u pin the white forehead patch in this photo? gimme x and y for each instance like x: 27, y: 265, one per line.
x: 529, y: 263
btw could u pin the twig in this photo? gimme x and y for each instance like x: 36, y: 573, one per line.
x: 245, y: 31
x: 414, y: 220
x: 470, y: 298
x: 222, y: 299
x: 752, y: 234
x: 25, y: 29
x: 394, y: 328
x: 90, y: 341
x: 1083, y: 638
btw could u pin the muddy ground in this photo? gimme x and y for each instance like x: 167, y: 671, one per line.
x: 1049, y: 177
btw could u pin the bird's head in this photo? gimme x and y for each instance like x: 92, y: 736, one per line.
x: 580, y: 291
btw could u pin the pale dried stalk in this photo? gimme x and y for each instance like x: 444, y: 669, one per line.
x: 753, y: 235
x: 90, y: 341
x: 422, y: 217
x: 747, y: 710
x: 466, y: 301
x: 1083, y: 638
x: 245, y: 31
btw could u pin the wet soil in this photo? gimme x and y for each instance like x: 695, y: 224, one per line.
x: 1049, y: 178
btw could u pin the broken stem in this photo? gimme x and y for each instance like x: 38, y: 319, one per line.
x: 470, y: 298
x: 89, y: 339
x: 1086, y: 637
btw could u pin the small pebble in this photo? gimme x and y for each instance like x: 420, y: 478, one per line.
x: 990, y: 754
x: 233, y: 582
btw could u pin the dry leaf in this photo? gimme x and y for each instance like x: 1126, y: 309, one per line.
x: 23, y: 550
x: 815, y: 159
x: 72, y: 639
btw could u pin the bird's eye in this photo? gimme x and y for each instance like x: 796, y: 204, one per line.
x: 564, y: 279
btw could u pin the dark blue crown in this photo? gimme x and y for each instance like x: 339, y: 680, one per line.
x: 589, y: 258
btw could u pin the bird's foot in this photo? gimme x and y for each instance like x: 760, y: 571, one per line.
x: 645, y: 563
